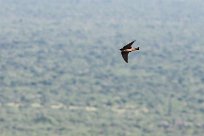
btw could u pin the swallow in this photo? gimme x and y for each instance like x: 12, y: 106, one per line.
x: 127, y: 49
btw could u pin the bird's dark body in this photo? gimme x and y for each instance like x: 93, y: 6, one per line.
x: 126, y: 49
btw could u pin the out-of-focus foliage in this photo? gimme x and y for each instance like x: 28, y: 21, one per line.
x: 61, y: 72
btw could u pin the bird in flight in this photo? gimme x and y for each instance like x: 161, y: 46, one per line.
x: 126, y: 49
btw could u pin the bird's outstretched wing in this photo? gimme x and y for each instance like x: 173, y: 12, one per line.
x: 125, y: 56
x: 128, y: 46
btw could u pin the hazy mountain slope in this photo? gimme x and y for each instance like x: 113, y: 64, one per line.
x: 61, y: 71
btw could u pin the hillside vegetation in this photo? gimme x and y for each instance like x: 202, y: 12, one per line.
x: 61, y: 72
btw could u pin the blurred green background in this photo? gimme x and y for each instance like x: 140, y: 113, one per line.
x: 61, y: 73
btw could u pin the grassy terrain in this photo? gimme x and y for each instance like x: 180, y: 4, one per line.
x: 61, y: 72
